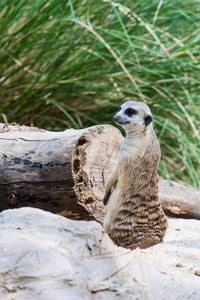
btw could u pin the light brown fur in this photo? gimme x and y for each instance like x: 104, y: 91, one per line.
x: 134, y: 217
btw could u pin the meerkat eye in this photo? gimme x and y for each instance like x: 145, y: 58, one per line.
x: 130, y: 111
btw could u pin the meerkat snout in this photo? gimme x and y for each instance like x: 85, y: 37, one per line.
x: 116, y: 118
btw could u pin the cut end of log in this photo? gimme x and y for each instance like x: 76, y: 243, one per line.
x: 94, y: 158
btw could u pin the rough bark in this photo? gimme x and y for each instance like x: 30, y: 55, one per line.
x: 65, y: 172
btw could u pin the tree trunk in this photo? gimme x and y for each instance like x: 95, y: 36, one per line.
x: 65, y: 172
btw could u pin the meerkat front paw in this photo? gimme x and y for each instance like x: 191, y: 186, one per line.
x: 106, y: 197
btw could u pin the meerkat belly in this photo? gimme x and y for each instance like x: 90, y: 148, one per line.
x: 119, y: 195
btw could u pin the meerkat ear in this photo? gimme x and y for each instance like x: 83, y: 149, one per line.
x: 148, y: 119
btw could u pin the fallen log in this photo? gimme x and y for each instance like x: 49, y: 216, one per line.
x: 179, y: 200
x: 65, y: 172
x: 61, y: 172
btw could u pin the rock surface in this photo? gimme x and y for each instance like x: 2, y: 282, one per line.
x: 46, y: 256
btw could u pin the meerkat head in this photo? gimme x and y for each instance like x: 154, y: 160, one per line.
x: 133, y: 116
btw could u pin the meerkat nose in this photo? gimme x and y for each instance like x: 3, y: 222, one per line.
x: 116, y: 118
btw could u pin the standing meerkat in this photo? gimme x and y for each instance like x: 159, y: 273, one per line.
x: 134, y: 217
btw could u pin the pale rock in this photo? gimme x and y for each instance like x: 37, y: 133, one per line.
x: 44, y: 256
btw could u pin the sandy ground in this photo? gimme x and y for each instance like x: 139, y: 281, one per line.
x: 181, y: 247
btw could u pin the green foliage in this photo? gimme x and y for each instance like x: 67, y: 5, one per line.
x: 71, y: 63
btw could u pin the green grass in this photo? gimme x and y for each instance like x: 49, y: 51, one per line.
x: 71, y: 63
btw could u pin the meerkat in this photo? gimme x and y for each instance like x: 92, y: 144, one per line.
x: 134, y: 216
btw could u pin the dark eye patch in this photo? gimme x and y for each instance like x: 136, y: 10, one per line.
x: 130, y: 111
